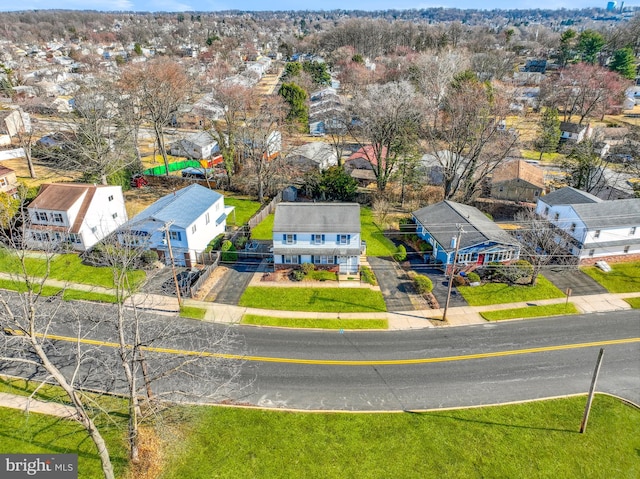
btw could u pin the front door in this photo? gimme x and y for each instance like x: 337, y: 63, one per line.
x: 480, y: 259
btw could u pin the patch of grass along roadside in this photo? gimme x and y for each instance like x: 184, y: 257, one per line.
x: 500, y: 293
x: 532, y: 440
x: 633, y: 302
x: 531, y: 312
x: 192, y: 312
x: 330, y: 300
x: 68, y: 295
x: 264, y: 230
x: 256, y: 320
x: 377, y: 243
x: 623, y: 277
x: 65, y: 267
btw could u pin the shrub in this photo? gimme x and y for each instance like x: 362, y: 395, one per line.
x: 473, y: 277
x: 240, y: 242
x: 215, y: 243
x: 459, y: 280
x: 296, y: 275
x: 518, y: 272
x: 229, y: 252
x: 400, y: 254
x: 422, y: 283
x: 307, y: 267
x: 149, y: 257
x: 367, y: 275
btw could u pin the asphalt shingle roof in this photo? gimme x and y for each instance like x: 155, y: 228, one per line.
x: 609, y: 214
x: 182, y: 207
x: 441, y: 220
x: 569, y: 196
x: 317, y: 218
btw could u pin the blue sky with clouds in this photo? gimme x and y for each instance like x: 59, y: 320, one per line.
x: 216, y: 5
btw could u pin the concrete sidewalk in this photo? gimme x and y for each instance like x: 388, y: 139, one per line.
x: 27, y: 404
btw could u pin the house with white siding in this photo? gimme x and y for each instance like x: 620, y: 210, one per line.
x: 593, y: 229
x: 192, y: 217
x: 74, y: 214
x: 325, y: 234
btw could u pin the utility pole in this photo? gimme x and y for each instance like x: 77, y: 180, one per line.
x: 453, y: 268
x: 167, y: 235
x: 587, y: 409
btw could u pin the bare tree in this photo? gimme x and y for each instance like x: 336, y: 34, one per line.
x: 388, y: 117
x: 157, y: 87
x: 539, y: 242
x: 469, y: 144
x: 26, y: 135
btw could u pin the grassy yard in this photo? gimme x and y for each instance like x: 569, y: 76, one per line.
x: 192, y: 312
x: 530, y: 312
x: 624, y: 277
x: 633, y: 302
x: 530, y: 440
x: 331, y: 300
x: 65, y: 267
x: 500, y: 293
x: 377, y: 243
x: 256, y: 320
x: 264, y: 230
x: 244, y: 210
x: 546, y: 157
x: 68, y: 295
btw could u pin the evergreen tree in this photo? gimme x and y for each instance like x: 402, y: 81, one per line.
x: 624, y: 62
x: 549, y: 132
x: 590, y: 43
x: 296, y: 97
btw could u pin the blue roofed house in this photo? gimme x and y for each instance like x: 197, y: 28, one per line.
x: 481, y: 242
x: 325, y: 234
x: 193, y: 217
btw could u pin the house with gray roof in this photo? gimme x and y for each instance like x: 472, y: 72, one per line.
x: 199, y: 145
x: 481, y: 240
x: 192, y: 217
x: 325, y: 234
x: 593, y: 229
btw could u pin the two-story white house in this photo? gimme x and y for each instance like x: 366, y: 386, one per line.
x: 192, y: 217
x: 593, y: 229
x: 76, y: 214
x: 325, y: 234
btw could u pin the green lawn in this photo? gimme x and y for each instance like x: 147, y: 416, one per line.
x: 256, y: 320
x: 624, y: 277
x: 65, y: 267
x: 313, y: 299
x: 530, y: 312
x: 264, y: 230
x: 546, y: 157
x: 192, y: 312
x: 244, y: 210
x: 533, y: 440
x: 634, y: 302
x: 68, y: 295
x: 500, y: 293
x: 377, y: 243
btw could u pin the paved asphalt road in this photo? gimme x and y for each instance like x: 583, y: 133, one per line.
x: 420, y: 375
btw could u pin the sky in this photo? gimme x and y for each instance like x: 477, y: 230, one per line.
x: 249, y: 5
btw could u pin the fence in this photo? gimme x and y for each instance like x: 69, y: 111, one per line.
x: 195, y: 287
x: 264, y: 212
x: 178, y: 165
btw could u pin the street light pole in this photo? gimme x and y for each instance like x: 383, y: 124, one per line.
x: 453, y: 267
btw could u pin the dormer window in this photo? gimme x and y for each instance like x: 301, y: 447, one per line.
x: 40, y: 216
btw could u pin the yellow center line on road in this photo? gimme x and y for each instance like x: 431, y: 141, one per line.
x: 337, y: 362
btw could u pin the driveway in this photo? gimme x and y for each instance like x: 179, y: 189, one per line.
x: 395, y: 289
x: 567, y: 277
x: 231, y: 286
x: 440, y: 284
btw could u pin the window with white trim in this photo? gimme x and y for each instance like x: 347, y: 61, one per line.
x: 41, y: 216
x: 632, y: 231
x: 114, y: 216
x: 323, y: 259
x: 193, y: 229
x: 556, y: 216
x: 290, y: 259
x: 290, y: 239
x: 206, y: 219
x: 591, y: 252
x: 3, y: 182
x: 57, y: 218
x: 75, y: 238
x: 175, y: 235
x: 344, y: 239
x: 110, y: 197
x: 573, y: 228
x: 596, y: 234
x: 317, y: 239
x: 626, y: 249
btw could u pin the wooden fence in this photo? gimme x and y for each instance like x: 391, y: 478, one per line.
x: 195, y: 287
x: 264, y: 212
